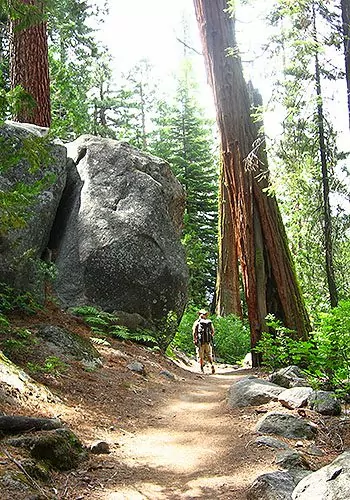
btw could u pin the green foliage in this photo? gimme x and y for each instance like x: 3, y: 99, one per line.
x: 332, y: 338
x: 48, y: 270
x: 183, y: 338
x: 52, y: 365
x: 232, y: 338
x: 279, y: 349
x: 325, y: 357
x: 184, y: 138
x: 71, y: 115
x: 303, y: 32
x: 4, y: 323
x: 73, y: 53
x: 105, y: 324
x: 13, y: 300
x: 17, y: 343
x: 33, y: 154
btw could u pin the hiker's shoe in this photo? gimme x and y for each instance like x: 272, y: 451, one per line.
x: 212, y: 370
x: 202, y: 369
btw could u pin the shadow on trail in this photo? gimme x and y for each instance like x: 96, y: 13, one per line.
x: 195, y: 450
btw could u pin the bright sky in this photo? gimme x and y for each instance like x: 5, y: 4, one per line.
x: 140, y: 29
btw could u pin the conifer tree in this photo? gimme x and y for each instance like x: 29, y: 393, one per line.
x: 184, y: 138
x: 72, y: 52
x: 308, y: 166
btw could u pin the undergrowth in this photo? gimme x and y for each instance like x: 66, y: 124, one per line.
x: 324, y: 357
x: 104, y: 325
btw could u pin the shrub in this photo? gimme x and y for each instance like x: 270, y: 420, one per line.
x: 279, y: 348
x: 232, y: 338
x: 332, y: 337
x: 183, y: 337
x: 325, y: 357
x: 12, y: 300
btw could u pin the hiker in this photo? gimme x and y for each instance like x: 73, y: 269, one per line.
x: 203, y: 332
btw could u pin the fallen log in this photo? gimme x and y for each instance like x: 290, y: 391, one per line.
x: 13, y: 424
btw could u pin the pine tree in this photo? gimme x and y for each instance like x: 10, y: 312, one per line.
x: 72, y: 52
x: 308, y: 155
x: 184, y: 138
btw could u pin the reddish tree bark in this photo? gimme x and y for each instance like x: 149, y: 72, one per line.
x: 269, y: 279
x: 29, y: 67
x: 228, y: 298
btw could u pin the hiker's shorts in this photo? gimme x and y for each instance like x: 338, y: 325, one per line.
x: 205, y: 352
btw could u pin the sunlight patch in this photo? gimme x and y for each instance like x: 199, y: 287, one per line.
x: 166, y: 450
x: 139, y: 491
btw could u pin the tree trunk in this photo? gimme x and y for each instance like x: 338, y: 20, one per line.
x: 345, y: 11
x: 328, y: 245
x: 29, y: 68
x: 12, y: 424
x: 228, y: 300
x: 268, y: 274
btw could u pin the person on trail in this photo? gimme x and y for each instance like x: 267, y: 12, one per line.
x: 203, y: 333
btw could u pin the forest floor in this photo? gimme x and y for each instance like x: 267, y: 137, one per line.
x: 169, y: 438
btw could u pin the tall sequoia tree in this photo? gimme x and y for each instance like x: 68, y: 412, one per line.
x: 269, y: 279
x: 228, y: 297
x: 29, y: 67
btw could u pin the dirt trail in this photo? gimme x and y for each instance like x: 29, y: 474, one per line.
x: 170, y: 438
x: 193, y: 448
x: 170, y: 431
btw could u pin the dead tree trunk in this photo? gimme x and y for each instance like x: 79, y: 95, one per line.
x: 268, y: 274
x: 14, y: 424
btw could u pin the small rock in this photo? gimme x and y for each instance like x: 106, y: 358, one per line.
x: 296, y: 397
x: 290, y: 459
x: 286, y: 425
x: 91, y: 365
x: 252, y: 391
x: 291, y: 376
x: 314, y: 451
x: 167, y: 374
x: 271, y: 442
x: 100, y: 448
x: 137, y: 367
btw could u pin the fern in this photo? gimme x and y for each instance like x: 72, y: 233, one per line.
x: 104, y: 324
x: 84, y: 310
x: 99, y: 341
x: 96, y: 321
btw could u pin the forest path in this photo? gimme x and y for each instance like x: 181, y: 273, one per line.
x: 194, y: 447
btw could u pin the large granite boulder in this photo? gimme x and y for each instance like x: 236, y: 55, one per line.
x: 252, y: 391
x: 325, y: 403
x: 117, y: 235
x: 21, y: 248
x: 290, y: 376
x: 286, y: 425
x: 331, y: 482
